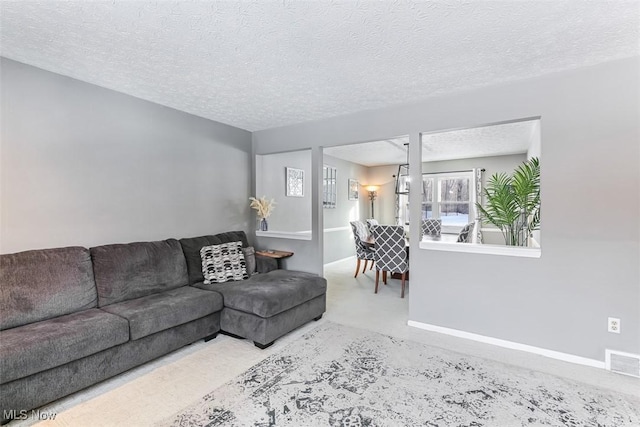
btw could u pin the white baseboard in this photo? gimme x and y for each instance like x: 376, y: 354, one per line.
x: 571, y: 358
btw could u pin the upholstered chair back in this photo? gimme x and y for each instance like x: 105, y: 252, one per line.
x: 370, y: 223
x: 431, y: 227
x: 466, y: 233
x: 391, y: 250
x: 361, y: 233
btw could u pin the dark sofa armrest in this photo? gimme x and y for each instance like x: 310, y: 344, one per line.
x: 265, y: 264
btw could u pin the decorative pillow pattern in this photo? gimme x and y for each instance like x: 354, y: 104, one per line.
x: 250, y: 259
x: 431, y: 227
x: 465, y: 233
x: 223, y: 263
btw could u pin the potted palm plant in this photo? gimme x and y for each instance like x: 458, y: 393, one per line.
x: 513, y: 202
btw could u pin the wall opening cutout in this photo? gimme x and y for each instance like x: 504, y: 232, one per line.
x: 364, y: 190
x: 285, y: 178
x: 457, y: 166
x: 373, y: 165
x: 481, y: 186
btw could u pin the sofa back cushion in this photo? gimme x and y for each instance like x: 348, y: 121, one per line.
x: 43, y: 284
x: 191, y: 248
x: 134, y: 270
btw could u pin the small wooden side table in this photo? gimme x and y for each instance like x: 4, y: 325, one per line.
x: 277, y: 255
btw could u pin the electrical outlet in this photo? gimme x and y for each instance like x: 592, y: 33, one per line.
x: 613, y: 325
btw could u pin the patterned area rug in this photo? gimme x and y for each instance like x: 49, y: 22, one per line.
x: 341, y: 376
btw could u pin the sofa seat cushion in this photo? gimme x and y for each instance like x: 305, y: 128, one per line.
x: 266, y: 295
x: 43, y: 345
x: 157, y: 312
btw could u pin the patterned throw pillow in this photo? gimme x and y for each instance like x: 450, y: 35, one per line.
x: 465, y: 233
x: 431, y: 227
x: 223, y: 263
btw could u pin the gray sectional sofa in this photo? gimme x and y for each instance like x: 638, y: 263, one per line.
x: 72, y: 317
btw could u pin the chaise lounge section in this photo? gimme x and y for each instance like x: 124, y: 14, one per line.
x: 266, y: 306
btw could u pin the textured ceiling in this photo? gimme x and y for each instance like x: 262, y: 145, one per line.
x: 493, y: 140
x: 374, y: 153
x: 258, y: 65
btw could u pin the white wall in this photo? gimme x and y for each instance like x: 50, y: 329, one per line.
x: 83, y: 165
x: 589, y: 268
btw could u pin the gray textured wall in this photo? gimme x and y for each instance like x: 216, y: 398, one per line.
x: 589, y: 267
x: 83, y: 165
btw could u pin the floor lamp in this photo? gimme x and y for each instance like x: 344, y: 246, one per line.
x: 373, y: 193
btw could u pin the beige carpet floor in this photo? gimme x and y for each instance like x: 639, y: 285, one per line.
x: 157, y: 390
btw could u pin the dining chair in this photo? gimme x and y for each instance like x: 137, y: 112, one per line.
x: 370, y: 223
x: 431, y: 227
x: 465, y: 234
x: 390, y: 252
x: 363, y: 251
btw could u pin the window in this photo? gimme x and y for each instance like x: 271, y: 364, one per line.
x: 447, y: 196
x: 329, y: 188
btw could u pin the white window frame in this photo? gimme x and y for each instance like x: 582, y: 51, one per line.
x: 435, y: 205
x: 329, y: 187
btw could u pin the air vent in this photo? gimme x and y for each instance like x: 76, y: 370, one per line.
x: 623, y: 363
